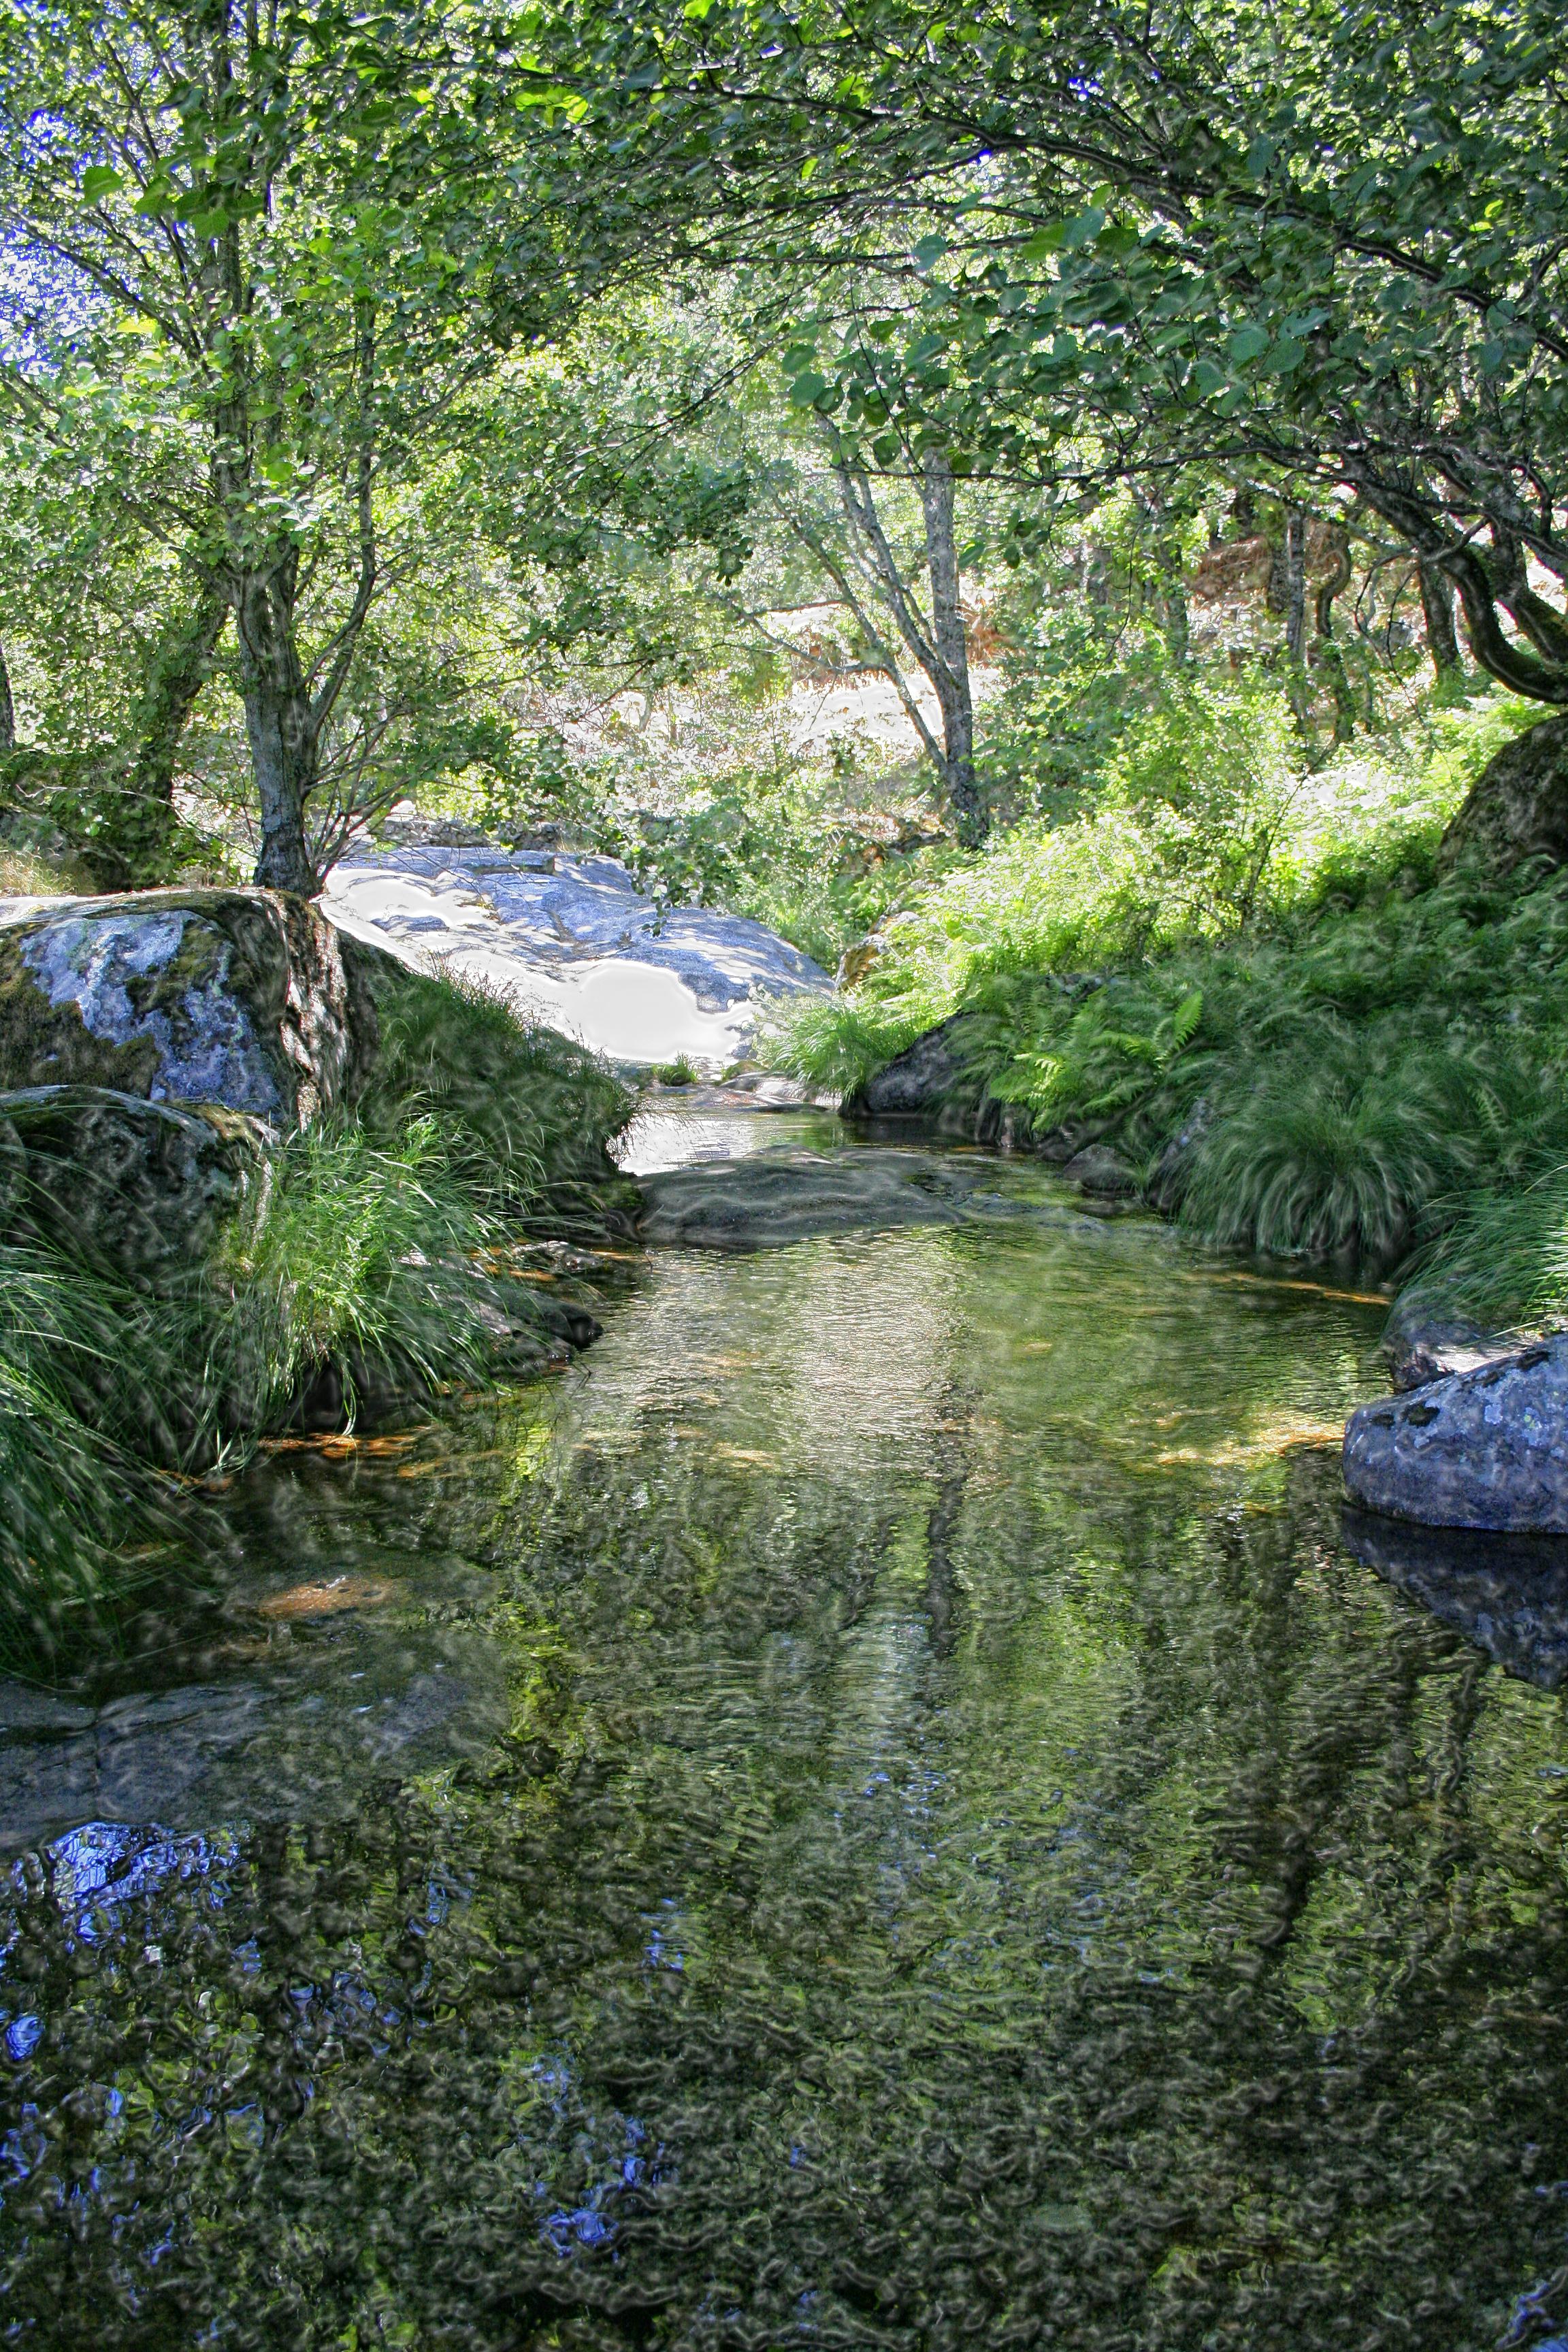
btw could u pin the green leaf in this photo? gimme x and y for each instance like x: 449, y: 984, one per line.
x: 929, y: 252
x: 1247, y: 343
x: 101, y: 180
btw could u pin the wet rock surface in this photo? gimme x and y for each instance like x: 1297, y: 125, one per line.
x: 576, y: 940
x: 1102, y: 1172
x: 785, y: 1194
x: 1486, y: 1448
x: 143, y: 1187
x: 1426, y: 1338
x: 239, y: 997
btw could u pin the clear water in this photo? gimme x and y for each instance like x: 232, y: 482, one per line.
x: 877, y: 1811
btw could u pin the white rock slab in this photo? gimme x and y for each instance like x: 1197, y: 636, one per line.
x: 573, y: 939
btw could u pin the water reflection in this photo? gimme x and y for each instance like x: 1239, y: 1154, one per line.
x: 1507, y: 1593
x: 966, y: 1857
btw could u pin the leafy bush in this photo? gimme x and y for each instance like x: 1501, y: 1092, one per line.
x: 525, y: 1116
x: 1349, y: 1049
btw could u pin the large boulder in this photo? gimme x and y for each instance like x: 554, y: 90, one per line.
x: 146, y: 1188
x: 1486, y: 1448
x: 244, y: 998
x: 1518, y: 806
x: 572, y: 940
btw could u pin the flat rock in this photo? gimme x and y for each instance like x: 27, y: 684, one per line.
x: 576, y: 942
x: 771, y: 1198
x: 1486, y: 1448
x: 784, y: 1194
x: 238, y: 997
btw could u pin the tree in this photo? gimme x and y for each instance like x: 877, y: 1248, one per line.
x: 1333, y: 247
x: 272, y: 248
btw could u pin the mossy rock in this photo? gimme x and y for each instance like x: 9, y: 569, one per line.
x: 1518, y: 806
x: 144, y: 1189
x: 236, y: 997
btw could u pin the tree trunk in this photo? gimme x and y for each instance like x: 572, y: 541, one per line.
x: 283, y: 730
x: 949, y: 671
x: 1294, y: 585
x: 1442, y: 638
x: 1325, y: 645
x: 939, y: 648
x: 7, y: 709
x: 145, y: 826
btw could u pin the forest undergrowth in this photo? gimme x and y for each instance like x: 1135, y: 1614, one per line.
x: 1255, y: 982
x: 377, y: 1253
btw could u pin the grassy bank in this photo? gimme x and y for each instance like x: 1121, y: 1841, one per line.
x: 1253, y: 983
x: 370, y: 1268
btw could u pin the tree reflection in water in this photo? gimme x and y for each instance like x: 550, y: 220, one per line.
x: 976, y: 1861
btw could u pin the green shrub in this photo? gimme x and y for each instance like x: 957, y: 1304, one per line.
x: 363, y: 1253
x: 525, y: 1116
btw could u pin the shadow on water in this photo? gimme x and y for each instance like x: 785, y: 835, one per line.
x: 936, y: 1842
x: 1507, y: 1593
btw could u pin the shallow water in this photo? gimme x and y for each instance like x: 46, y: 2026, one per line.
x: 876, y: 1812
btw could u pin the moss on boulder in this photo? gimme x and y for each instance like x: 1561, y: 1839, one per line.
x: 238, y: 997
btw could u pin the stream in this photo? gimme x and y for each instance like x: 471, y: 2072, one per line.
x: 878, y: 1809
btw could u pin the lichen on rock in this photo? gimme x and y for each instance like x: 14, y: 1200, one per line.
x: 243, y: 998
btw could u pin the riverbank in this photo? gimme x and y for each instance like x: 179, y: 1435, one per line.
x: 1352, y: 1053
x: 252, y: 1187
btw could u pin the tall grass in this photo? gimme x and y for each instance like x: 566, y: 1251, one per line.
x: 1354, y: 1055
x: 371, y: 1251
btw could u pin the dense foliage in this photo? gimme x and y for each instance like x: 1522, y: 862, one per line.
x: 374, y: 1269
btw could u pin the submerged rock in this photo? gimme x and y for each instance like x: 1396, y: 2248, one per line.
x: 771, y: 1198
x: 1486, y: 1448
x: 1426, y: 1338
x: 573, y: 938
x: 1507, y: 1593
x: 144, y: 1187
x: 239, y: 997
x: 1102, y: 1172
x: 774, y: 1197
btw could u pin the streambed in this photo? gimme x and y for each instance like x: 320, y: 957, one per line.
x: 879, y: 1810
